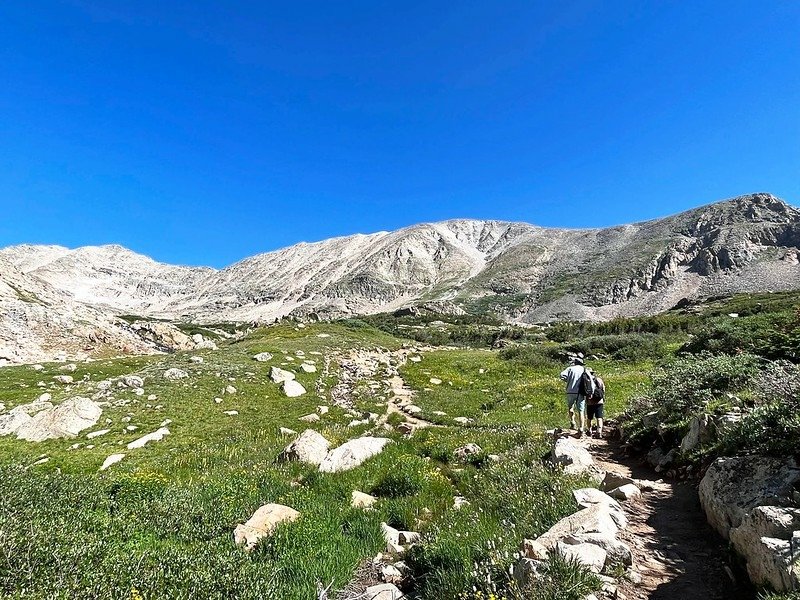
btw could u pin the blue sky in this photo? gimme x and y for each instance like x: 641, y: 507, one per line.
x: 203, y: 132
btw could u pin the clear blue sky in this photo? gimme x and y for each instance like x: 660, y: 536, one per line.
x: 203, y: 132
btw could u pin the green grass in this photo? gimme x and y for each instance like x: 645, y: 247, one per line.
x: 159, y: 524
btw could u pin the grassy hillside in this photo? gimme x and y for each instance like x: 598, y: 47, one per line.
x: 159, y: 523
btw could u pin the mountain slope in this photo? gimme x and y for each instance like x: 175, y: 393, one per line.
x: 519, y: 271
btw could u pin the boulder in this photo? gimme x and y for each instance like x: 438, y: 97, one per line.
x: 11, y: 423
x: 156, y: 436
x: 588, y: 497
x: 308, y: 368
x: 293, y: 388
x: 362, y: 500
x: 626, y: 492
x: 63, y: 379
x: 595, y: 519
x: 278, y: 375
x: 196, y: 359
x: 229, y: 389
x: 262, y: 524
x: 463, y: 420
x: 733, y: 487
x: 467, y: 450
x: 175, y: 373
x: 700, y: 432
x: 263, y: 357
x: 526, y: 571
x: 764, y: 540
x: 310, y: 418
x: 111, y: 460
x: 66, y: 420
x: 617, y: 552
x: 614, y: 480
x: 534, y: 549
x: 575, y: 459
x: 351, y: 454
x: 310, y: 448
x: 132, y: 381
x: 591, y: 556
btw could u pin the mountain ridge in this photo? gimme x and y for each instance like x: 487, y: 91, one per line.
x: 517, y: 271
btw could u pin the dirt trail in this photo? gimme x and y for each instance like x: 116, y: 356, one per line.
x: 676, y: 552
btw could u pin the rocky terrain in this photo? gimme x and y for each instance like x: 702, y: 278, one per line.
x: 518, y: 271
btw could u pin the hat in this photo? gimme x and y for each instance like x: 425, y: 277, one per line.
x: 577, y: 359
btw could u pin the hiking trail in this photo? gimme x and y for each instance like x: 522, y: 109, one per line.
x: 676, y: 552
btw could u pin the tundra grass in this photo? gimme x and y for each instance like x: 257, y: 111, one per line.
x: 159, y: 524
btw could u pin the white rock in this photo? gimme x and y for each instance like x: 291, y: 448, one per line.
x: 279, y: 375
x: 263, y: 357
x: 287, y: 431
x: 436, y: 381
x: 231, y: 413
x: 263, y: 523
x: 353, y: 453
x: 156, y: 436
x: 308, y: 368
x: 323, y: 410
x: 575, y: 459
x: 67, y: 419
x: 94, y: 434
x: 111, y: 460
x: 625, y: 493
x: 310, y: 448
x: 45, y: 397
x: 196, y: 359
x: 293, y: 389
x: 383, y: 591
x: 132, y: 381
x: 310, y: 418
x: 230, y: 389
x: 63, y: 378
x: 463, y: 420
x: 362, y: 500
x: 175, y: 373
x: 591, y: 556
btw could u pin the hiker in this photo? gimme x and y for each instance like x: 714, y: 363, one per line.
x: 594, y: 404
x: 576, y: 402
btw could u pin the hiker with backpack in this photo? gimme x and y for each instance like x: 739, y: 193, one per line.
x: 579, y: 386
x: 595, y: 403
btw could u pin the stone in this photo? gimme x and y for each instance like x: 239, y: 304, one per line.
x: 104, y: 385
x: 293, y: 389
x: 617, y: 552
x: 231, y: 413
x: 287, y: 431
x: 111, y: 460
x: 65, y: 379
x: 700, y: 432
x: 198, y: 360
x: 94, y: 434
x: 383, y: 591
x: 405, y: 428
x: 467, y: 450
x: 310, y: 418
x: 533, y: 549
x: 575, y: 459
x: 132, y: 381
x: 156, y: 436
x: 352, y: 454
x: 66, y: 420
x: 587, y: 497
x: 262, y: 524
x: 263, y: 357
x: 310, y: 448
x: 175, y: 373
x: 323, y: 410
x: 391, y: 574
x: 229, y: 389
x: 278, y: 375
x: 527, y: 571
x: 733, y: 487
x: 612, y: 481
x: 764, y: 540
x: 406, y: 538
x: 463, y: 420
x: 362, y: 500
x: 436, y: 381
x: 627, y: 492
x: 460, y: 502
x: 308, y: 368
x: 591, y: 556
x: 595, y: 519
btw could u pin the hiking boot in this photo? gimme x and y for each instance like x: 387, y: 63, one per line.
x: 580, y: 433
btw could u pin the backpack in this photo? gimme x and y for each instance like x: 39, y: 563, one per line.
x: 586, y: 386
x: 599, y: 392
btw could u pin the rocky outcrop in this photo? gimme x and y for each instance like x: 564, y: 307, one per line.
x: 48, y: 422
x: 310, y: 448
x: 752, y: 501
x: 352, y: 454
